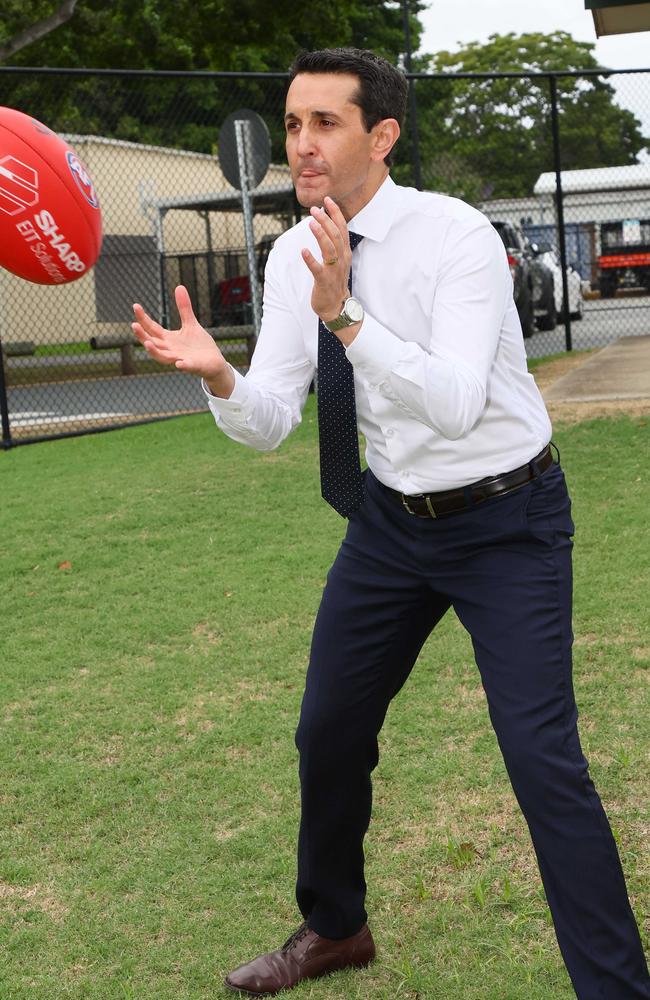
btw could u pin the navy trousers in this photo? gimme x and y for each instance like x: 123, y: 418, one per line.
x: 505, y: 568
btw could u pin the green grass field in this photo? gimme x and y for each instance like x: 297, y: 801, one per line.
x: 158, y: 589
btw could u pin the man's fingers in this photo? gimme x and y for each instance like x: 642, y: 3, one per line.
x: 184, y: 305
x: 336, y: 223
x: 332, y: 228
x: 336, y: 215
x: 311, y: 262
x: 147, y: 324
x: 142, y: 335
x: 139, y: 332
x: 160, y: 354
x: 327, y: 247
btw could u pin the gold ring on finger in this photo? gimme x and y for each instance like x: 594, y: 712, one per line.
x: 333, y: 260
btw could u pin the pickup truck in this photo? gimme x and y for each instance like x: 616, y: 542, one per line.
x: 625, y: 256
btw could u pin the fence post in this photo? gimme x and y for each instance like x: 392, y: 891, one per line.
x: 413, y: 107
x: 4, y: 404
x: 559, y: 204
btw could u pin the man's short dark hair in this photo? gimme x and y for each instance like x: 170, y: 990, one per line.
x: 382, y: 90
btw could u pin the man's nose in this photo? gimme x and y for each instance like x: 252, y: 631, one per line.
x: 306, y: 142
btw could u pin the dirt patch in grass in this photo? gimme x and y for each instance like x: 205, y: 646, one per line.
x: 207, y: 634
x: 550, y: 371
x: 37, y: 896
x: 202, y: 713
x: 572, y: 413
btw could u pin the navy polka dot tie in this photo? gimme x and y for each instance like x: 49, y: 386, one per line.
x: 340, y: 466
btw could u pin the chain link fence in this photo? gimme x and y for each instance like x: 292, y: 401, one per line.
x: 579, y: 251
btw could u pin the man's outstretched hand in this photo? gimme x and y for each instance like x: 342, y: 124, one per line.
x: 190, y: 349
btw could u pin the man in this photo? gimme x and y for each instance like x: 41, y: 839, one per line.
x: 462, y: 506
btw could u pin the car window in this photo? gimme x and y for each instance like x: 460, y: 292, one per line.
x: 503, y: 230
x: 511, y: 238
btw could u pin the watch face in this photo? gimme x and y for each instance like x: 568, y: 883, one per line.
x: 354, y: 310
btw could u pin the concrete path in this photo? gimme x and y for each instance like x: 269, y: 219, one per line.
x: 619, y: 371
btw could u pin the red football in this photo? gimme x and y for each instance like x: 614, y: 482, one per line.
x: 50, y: 221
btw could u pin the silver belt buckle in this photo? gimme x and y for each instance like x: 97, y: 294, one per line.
x: 413, y: 513
x: 406, y: 506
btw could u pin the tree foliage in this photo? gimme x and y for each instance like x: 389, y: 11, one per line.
x: 500, y: 130
x: 479, y: 138
x: 34, y: 30
x: 226, y: 35
x: 183, y: 35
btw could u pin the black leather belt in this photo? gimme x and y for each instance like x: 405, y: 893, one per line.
x: 453, y: 501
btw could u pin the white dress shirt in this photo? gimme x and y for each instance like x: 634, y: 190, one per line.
x: 443, y: 394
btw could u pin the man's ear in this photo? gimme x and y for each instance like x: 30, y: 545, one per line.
x: 385, y: 135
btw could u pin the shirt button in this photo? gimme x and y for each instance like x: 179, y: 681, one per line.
x: 390, y: 432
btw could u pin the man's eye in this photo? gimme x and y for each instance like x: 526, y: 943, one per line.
x: 326, y: 121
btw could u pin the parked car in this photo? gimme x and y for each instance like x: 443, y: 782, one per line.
x: 544, y: 292
x: 536, y: 288
x: 519, y: 259
x: 546, y: 254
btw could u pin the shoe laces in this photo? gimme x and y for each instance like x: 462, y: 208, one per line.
x: 296, y: 936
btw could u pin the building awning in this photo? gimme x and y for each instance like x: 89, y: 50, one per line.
x: 617, y: 17
x: 635, y: 176
x: 266, y: 200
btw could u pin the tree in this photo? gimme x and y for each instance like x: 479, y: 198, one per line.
x: 28, y: 30
x: 234, y: 35
x: 500, y: 129
x: 219, y: 35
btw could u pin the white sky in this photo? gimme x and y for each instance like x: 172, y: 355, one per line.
x: 451, y: 23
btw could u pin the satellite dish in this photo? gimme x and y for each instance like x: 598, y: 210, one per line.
x: 260, y: 148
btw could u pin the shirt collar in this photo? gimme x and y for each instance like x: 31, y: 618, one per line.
x: 375, y: 219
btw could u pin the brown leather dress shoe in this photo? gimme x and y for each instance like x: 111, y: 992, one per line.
x: 306, y: 955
